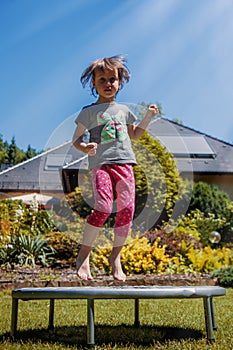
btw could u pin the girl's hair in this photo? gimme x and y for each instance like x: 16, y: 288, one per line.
x: 113, y: 62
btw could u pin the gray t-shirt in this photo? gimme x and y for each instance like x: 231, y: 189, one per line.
x: 107, y: 126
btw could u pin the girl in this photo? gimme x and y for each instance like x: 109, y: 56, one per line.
x: 111, y: 126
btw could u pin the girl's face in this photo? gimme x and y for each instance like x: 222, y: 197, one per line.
x: 106, y: 84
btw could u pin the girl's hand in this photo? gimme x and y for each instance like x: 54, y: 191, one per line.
x: 153, y: 110
x: 91, y: 148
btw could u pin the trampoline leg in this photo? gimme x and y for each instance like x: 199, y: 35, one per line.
x: 90, y: 323
x: 14, y: 316
x: 213, y: 314
x: 136, y: 313
x: 51, y: 314
x: 208, y: 318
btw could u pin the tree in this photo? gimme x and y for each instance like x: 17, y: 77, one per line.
x: 15, y: 155
x: 12, y: 152
x: 3, y: 151
x: 31, y: 152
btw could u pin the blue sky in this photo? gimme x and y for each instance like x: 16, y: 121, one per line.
x: 179, y: 54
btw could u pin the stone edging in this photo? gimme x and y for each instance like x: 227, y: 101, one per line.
x: 30, y: 278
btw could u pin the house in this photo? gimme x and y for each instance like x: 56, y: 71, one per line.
x: 198, y: 156
x: 40, y: 174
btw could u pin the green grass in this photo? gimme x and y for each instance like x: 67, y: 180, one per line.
x: 165, y: 324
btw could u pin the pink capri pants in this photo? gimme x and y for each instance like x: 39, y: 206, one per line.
x: 110, y: 182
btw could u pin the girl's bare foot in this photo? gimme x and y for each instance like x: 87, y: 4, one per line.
x: 117, y: 271
x: 83, y: 263
x: 84, y: 276
x: 83, y: 270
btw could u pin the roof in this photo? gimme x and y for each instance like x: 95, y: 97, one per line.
x: 194, y: 151
x: 40, y: 173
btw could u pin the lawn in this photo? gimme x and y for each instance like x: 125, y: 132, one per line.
x: 165, y: 324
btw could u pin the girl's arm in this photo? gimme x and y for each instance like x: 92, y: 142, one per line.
x: 77, y: 141
x: 136, y: 131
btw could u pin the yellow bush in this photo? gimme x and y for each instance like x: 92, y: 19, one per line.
x: 209, y: 259
x: 138, y: 256
x: 100, y: 258
x: 178, y: 265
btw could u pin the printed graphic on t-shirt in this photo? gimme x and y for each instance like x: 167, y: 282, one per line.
x: 114, y: 126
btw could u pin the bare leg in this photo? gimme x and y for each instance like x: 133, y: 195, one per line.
x: 115, y: 259
x: 83, y: 259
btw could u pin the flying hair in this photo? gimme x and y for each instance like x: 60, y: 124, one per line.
x: 115, y: 62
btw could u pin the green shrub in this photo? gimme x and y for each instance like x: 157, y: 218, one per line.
x: 227, y: 229
x: 224, y: 276
x: 200, y: 225
x: 208, y: 198
x: 158, y: 184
